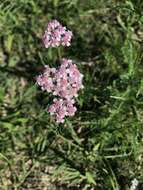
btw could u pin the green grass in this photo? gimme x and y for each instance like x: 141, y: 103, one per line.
x: 101, y: 147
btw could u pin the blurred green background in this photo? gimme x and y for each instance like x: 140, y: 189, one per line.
x: 101, y: 147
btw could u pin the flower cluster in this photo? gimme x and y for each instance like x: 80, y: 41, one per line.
x: 62, y: 108
x: 68, y: 80
x: 56, y: 35
x: 45, y: 80
x: 64, y: 82
x: 134, y: 184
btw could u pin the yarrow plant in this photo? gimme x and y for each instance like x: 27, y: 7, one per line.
x: 65, y: 81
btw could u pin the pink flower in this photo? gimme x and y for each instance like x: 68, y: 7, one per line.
x: 62, y: 108
x: 45, y: 80
x: 56, y: 35
x: 64, y: 81
x: 68, y: 80
x: 67, y: 38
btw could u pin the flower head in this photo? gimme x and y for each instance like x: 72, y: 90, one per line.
x: 68, y: 80
x: 62, y: 108
x: 64, y: 83
x: 45, y: 80
x: 56, y: 35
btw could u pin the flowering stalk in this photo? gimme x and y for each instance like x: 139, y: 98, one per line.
x: 59, y: 53
x: 63, y: 82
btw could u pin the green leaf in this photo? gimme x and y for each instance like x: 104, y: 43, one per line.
x: 13, y: 61
x: 9, y: 42
x: 96, y: 147
x: 1, y: 94
x: 120, y: 21
x: 90, y: 178
x: 7, y: 125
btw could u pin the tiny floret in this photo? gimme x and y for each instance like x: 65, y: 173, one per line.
x: 134, y: 184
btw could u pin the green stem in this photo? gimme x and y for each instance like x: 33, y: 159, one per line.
x: 59, y: 53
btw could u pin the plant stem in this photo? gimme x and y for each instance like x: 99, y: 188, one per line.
x: 59, y: 53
